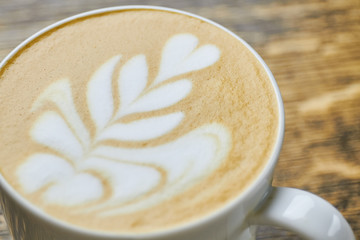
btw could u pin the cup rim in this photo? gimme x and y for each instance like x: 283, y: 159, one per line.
x: 218, y: 213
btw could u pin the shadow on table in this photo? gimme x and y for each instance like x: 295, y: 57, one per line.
x: 267, y: 233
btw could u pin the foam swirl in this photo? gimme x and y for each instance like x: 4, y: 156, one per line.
x: 138, y: 177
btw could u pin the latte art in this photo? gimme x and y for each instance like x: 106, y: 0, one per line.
x: 134, y: 121
x: 138, y: 177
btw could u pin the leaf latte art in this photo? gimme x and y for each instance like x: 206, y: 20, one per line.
x: 82, y: 165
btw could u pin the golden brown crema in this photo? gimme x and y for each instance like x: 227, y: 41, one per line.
x: 134, y: 120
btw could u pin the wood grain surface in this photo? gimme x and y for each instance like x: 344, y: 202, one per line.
x: 313, y: 50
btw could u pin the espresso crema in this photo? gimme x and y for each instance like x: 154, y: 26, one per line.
x: 135, y: 120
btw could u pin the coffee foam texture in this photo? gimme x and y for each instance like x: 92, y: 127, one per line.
x: 133, y: 174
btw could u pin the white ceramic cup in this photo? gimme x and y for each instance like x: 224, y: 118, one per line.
x: 260, y: 204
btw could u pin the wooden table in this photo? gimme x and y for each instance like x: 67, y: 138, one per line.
x: 313, y: 50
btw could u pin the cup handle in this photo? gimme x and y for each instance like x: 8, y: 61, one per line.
x: 303, y: 213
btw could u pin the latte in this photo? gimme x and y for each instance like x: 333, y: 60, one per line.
x: 134, y: 120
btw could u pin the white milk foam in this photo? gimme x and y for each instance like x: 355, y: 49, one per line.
x: 138, y: 177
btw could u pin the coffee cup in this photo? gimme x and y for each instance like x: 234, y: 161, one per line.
x: 141, y: 122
